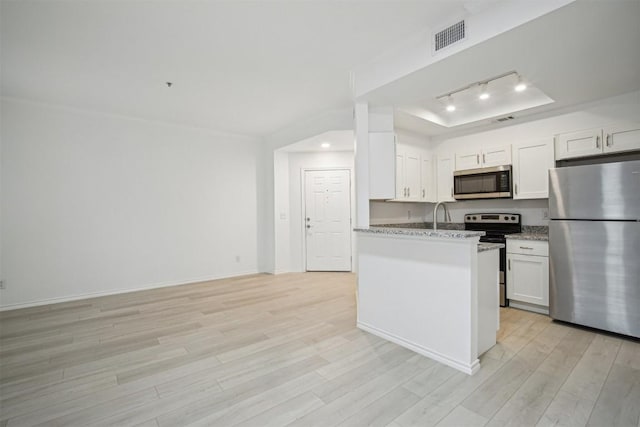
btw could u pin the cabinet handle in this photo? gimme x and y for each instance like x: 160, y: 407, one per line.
x: 409, y: 191
x: 484, y: 159
x: 516, y: 189
x: 478, y: 158
x: 405, y: 192
x: 509, y: 265
x: 598, y: 141
x: 423, y: 193
x: 609, y: 142
x: 526, y: 247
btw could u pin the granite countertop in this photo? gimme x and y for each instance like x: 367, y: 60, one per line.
x: 543, y: 237
x: 482, y: 247
x: 421, y: 232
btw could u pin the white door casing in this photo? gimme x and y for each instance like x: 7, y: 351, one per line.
x: 327, y: 220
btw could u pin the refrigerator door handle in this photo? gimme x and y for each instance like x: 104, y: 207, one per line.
x: 598, y: 141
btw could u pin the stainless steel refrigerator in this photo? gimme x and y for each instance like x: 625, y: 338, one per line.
x: 594, y: 246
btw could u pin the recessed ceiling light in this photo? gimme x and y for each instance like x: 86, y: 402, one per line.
x: 450, y: 107
x: 484, y: 94
x: 520, y: 86
x: 325, y: 145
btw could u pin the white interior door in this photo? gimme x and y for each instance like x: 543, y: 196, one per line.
x: 328, y: 220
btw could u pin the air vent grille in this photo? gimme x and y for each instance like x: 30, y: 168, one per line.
x: 449, y: 36
x: 505, y: 118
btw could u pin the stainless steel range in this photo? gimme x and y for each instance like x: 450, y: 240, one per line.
x: 496, y: 225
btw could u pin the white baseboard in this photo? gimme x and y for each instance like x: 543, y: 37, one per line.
x: 529, y: 307
x: 121, y: 291
x: 469, y: 369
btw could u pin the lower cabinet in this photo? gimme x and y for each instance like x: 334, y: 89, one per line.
x: 528, y: 274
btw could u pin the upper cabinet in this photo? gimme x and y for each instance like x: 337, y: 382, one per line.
x: 531, y: 164
x: 622, y: 138
x: 579, y: 144
x: 593, y: 142
x: 445, y: 166
x: 426, y: 178
x: 483, y: 158
x: 382, y: 168
x: 408, y: 175
x: 399, y: 171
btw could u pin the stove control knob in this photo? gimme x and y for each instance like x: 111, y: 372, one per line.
x: 506, y: 218
x: 474, y: 218
x: 513, y: 218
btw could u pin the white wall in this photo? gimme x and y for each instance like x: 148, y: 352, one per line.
x: 98, y: 204
x: 298, y: 162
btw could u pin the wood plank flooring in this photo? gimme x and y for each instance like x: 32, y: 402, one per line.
x: 284, y: 350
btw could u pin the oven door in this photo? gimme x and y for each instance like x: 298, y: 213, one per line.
x: 486, y: 183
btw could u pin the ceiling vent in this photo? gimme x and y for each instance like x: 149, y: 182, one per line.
x: 449, y: 36
x: 504, y: 119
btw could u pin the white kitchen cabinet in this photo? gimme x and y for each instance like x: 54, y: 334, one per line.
x: 528, y: 274
x: 426, y: 177
x: 531, y: 163
x: 382, y: 168
x: 622, y: 138
x: 444, y: 177
x: 579, y: 144
x: 408, y: 163
x: 593, y: 142
x: 483, y: 158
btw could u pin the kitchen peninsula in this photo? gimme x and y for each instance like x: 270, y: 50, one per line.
x: 432, y: 291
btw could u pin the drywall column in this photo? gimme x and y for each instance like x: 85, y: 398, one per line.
x: 282, y: 254
x: 362, y: 164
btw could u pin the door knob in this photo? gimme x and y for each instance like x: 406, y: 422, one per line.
x: 308, y: 226
x: 308, y: 219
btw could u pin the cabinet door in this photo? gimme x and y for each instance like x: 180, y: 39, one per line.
x: 622, y: 138
x: 426, y: 178
x: 528, y: 278
x: 382, y: 171
x: 444, y: 180
x: 531, y: 164
x: 401, y: 189
x: 579, y: 144
x: 496, y: 156
x: 412, y: 174
x: 468, y: 160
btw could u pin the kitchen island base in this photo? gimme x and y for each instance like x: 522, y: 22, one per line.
x: 435, y: 295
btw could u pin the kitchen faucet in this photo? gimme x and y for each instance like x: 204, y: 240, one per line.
x: 447, y: 216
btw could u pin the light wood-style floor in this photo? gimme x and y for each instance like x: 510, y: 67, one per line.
x: 284, y: 350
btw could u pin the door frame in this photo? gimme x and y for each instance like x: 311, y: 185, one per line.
x: 303, y: 209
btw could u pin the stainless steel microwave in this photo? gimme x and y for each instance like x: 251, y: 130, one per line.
x: 484, y: 183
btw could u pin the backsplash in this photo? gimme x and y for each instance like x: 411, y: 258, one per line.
x: 535, y: 229
x: 425, y: 225
x: 533, y: 211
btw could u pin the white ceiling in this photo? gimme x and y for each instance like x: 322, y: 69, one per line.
x: 582, y: 52
x: 249, y: 67
x: 339, y: 140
